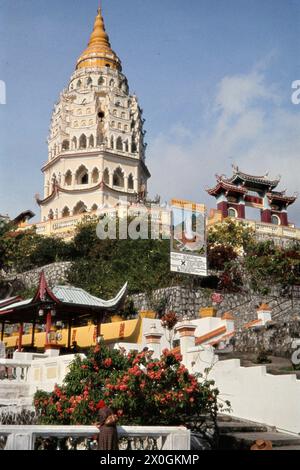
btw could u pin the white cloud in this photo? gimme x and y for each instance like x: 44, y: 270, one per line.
x: 249, y: 128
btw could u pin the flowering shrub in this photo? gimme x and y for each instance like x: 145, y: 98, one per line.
x: 141, y: 389
x: 169, y: 320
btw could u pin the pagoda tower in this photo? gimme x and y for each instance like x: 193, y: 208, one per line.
x: 234, y: 194
x: 96, y: 148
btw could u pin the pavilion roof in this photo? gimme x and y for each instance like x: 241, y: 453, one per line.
x: 281, y: 197
x: 224, y: 185
x: 261, y: 180
x: 68, y: 301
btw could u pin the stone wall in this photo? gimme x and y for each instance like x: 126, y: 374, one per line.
x: 275, y: 339
x: 56, y: 273
x: 187, y: 301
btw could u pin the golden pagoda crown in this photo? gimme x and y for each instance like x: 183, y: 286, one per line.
x: 99, y: 52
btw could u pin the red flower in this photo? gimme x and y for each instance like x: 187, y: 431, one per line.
x: 100, y: 404
x: 107, y: 362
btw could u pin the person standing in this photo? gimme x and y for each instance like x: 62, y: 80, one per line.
x: 107, y: 425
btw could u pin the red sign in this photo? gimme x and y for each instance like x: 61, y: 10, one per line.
x: 217, y: 298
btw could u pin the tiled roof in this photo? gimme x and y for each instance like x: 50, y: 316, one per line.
x: 75, y: 295
x: 252, y: 323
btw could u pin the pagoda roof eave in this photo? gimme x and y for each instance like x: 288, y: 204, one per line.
x: 227, y: 187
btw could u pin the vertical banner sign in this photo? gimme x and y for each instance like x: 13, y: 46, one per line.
x: 188, y: 238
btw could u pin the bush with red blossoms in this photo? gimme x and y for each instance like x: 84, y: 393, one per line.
x: 141, y: 389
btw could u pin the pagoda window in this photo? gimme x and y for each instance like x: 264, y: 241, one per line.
x: 68, y: 178
x: 118, y: 178
x: 232, y: 212
x: 65, y: 145
x: 65, y: 212
x: 275, y: 220
x: 107, y: 65
x: 79, y: 83
x: 82, y: 176
x: 130, y: 181
x: 119, y: 145
x: 101, y: 80
x: 82, y: 142
x: 91, y: 141
x: 80, y: 208
x: 74, y: 143
x: 106, y: 176
x: 95, y: 175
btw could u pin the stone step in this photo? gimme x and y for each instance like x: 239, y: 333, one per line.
x: 236, y: 426
x: 244, y: 440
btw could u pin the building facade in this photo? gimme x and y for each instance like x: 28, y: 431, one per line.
x: 96, y: 148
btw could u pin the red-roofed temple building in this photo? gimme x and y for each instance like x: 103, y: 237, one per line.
x: 241, y: 190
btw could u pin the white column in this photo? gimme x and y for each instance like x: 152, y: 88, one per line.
x: 153, y: 338
x: 186, y: 333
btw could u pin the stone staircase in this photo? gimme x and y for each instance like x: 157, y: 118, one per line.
x: 237, y: 434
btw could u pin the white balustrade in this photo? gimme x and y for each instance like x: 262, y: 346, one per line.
x: 167, y: 437
x: 11, y: 369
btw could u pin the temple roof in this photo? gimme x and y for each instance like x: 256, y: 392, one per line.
x: 224, y: 185
x: 277, y: 196
x: 69, y: 303
x: 244, y: 178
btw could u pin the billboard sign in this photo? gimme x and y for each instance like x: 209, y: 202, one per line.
x: 188, y: 238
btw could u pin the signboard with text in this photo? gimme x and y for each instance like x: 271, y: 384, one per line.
x: 188, y: 238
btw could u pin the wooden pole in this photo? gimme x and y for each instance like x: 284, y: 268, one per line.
x: 48, y: 327
x: 2, y: 331
x: 32, y: 334
x: 20, y: 337
x: 69, y: 332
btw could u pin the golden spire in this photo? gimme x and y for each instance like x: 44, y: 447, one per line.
x: 99, y: 52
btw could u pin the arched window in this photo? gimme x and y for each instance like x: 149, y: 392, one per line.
x: 68, y: 178
x: 112, y: 82
x: 126, y: 146
x: 106, y: 176
x: 275, y: 219
x: 82, y: 176
x: 118, y: 178
x: 111, y: 142
x: 79, y: 84
x: 113, y: 124
x: 133, y: 147
x: 51, y: 215
x: 130, y: 181
x: 101, y: 80
x: 74, y: 143
x: 91, y: 141
x: 119, y: 144
x: 80, y: 208
x: 119, y: 125
x: 65, y: 212
x: 114, y: 112
x: 232, y: 212
x: 89, y: 81
x: 95, y: 175
x: 82, y: 142
x: 123, y: 115
x: 94, y: 207
x: 65, y: 145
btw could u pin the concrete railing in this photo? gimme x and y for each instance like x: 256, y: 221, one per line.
x: 14, y: 370
x: 136, y: 437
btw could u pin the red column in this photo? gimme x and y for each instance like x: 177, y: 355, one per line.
x: 20, y: 337
x: 266, y: 216
x: 241, y: 211
x: 283, y: 219
x: 48, y: 326
x: 223, y: 207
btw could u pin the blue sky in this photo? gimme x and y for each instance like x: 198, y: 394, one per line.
x: 213, y: 77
